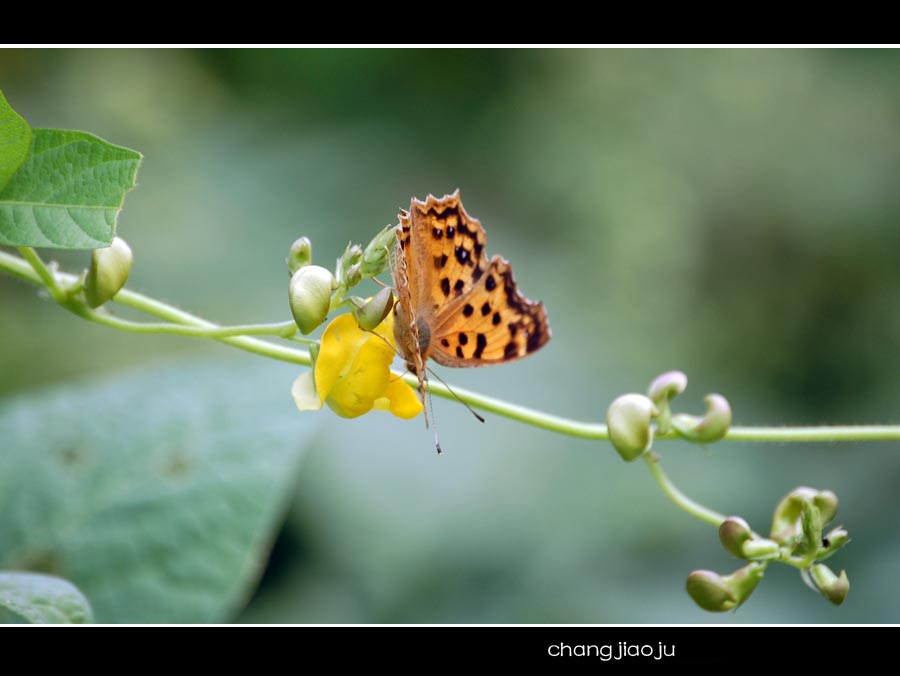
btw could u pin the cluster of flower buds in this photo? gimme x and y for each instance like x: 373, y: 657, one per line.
x: 632, y: 418
x: 314, y: 291
x: 796, y: 538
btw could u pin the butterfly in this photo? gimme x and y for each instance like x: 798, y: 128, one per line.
x: 453, y: 305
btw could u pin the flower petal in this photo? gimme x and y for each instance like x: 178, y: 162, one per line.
x: 400, y: 399
x: 365, y: 381
x: 341, y: 341
x: 304, y: 393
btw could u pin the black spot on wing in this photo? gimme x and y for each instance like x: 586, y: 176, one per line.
x: 462, y: 255
x: 480, y: 345
x: 486, y: 309
x: 468, y: 310
x: 496, y: 319
x: 445, y: 286
x: 490, y: 283
x: 445, y: 343
x: 511, y: 349
x: 459, y: 352
x: 463, y: 339
x: 438, y: 233
x: 458, y: 287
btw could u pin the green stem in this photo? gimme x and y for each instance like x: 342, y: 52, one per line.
x: 825, y: 433
x: 19, y: 268
x: 44, y: 273
x: 281, y: 329
x: 166, y: 312
x: 688, y: 505
x: 35, y: 272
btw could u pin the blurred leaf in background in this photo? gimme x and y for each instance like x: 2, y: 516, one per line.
x: 158, y: 493
x: 37, y: 598
x: 732, y: 214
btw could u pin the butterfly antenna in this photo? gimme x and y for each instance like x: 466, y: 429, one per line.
x: 461, y: 400
x: 437, y: 442
x: 423, y: 393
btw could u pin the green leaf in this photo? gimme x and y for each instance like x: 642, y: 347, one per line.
x: 67, y: 193
x: 43, y: 599
x: 158, y: 493
x: 15, y: 138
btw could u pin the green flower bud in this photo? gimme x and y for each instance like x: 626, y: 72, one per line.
x: 300, y: 254
x: 733, y: 533
x: 108, y: 272
x: 827, y: 503
x: 833, y: 541
x: 353, y: 275
x: 310, y: 296
x: 833, y: 588
x: 347, y: 270
x: 369, y: 314
x: 713, y: 426
x: 788, y: 521
x: 714, y: 592
x: 628, y: 420
x: 377, y: 252
x: 667, y: 386
x: 810, y: 525
x: 662, y: 391
x: 739, y: 540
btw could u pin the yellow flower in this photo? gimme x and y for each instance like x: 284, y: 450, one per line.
x: 353, y: 374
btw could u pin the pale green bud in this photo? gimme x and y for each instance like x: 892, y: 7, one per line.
x: 810, y: 525
x: 788, y: 521
x: 353, y: 275
x: 714, y: 592
x: 310, y: 296
x: 711, y: 427
x: 108, y: 273
x: 369, y: 314
x: 667, y: 386
x: 827, y: 503
x: 833, y: 541
x: 377, y: 252
x: 662, y: 391
x: 834, y: 588
x: 348, y: 266
x: 733, y: 533
x: 738, y: 539
x: 628, y: 419
x: 300, y: 254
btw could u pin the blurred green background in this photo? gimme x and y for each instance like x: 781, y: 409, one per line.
x: 733, y: 214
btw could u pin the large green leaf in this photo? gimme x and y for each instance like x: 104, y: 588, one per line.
x: 42, y: 599
x: 158, y: 493
x: 67, y: 193
x: 15, y: 138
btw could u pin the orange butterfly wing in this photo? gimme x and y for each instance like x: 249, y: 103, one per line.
x: 453, y: 304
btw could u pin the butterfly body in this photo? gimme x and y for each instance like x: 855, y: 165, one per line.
x: 453, y: 304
